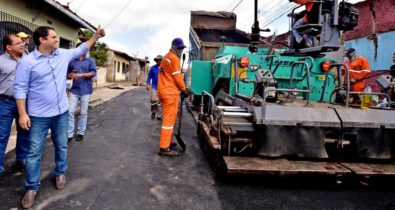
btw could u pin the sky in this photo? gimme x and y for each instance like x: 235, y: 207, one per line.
x: 145, y: 28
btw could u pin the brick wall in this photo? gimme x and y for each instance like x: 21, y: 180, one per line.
x: 375, y: 16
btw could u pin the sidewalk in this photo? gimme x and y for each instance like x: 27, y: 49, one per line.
x: 101, y: 94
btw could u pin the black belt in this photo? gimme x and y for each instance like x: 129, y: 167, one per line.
x: 7, y: 97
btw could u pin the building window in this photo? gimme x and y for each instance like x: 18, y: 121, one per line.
x: 64, y: 43
x: 119, y: 67
x: 124, y: 68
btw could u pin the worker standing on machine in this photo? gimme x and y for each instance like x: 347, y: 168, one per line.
x: 359, y: 69
x: 302, y: 21
x: 170, y: 83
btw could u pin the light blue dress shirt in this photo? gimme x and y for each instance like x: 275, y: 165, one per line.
x: 42, y: 79
x: 7, y: 74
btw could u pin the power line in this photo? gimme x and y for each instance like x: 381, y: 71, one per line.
x: 276, y: 7
x: 285, y: 7
x: 123, y: 8
x: 230, y: 5
x: 247, y: 20
x: 271, y: 16
x: 237, y: 5
x: 81, y: 5
x: 279, y: 16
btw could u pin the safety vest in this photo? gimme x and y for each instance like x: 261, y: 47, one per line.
x: 170, y: 77
x: 359, y: 69
x: 309, y: 6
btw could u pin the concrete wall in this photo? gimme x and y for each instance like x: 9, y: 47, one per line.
x: 29, y: 10
x: 375, y: 16
x: 120, y: 68
x: 137, y: 74
x: 101, y: 73
x: 385, y: 48
x: 374, y: 37
x: 122, y: 72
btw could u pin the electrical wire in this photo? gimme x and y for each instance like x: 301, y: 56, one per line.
x: 82, y: 4
x: 244, y: 21
x: 274, y: 15
x: 279, y: 16
x: 271, y: 5
x: 123, y: 8
x: 279, y: 8
x: 230, y: 5
x: 237, y: 5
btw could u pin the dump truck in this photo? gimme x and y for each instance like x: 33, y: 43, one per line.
x: 286, y: 111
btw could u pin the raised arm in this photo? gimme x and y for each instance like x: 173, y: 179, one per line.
x: 99, y: 34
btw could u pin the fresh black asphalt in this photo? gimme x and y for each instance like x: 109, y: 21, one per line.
x: 116, y: 166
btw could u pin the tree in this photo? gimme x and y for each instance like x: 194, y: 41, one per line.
x: 99, y: 51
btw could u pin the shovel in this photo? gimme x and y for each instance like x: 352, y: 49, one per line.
x: 178, y: 135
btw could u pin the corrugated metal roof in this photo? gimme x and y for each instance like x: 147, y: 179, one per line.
x: 68, y: 12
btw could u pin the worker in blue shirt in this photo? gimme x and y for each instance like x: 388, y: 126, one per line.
x: 81, y: 71
x: 152, y: 85
x: 41, y: 80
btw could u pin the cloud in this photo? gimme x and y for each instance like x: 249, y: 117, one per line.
x: 146, y: 27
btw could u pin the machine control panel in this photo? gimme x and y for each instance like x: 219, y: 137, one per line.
x: 265, y: 76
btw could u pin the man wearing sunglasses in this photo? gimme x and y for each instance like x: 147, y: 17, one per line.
x: 14, y: 48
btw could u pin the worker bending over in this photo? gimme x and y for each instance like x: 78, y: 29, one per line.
x: 359, y: 69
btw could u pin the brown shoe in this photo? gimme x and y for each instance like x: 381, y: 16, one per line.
x: 168, y: 152
x: 61, y: 182
x: 28, y: 199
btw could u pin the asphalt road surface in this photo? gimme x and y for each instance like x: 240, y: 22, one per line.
x: 116, y: 166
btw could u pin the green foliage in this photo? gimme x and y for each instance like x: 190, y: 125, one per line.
x: 88, y: 33
x: 99, y: 52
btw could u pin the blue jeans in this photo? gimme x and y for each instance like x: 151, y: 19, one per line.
x: 38, y: 133
x: 299, y: 37
x: 83, y: 117
x: 9, y: 112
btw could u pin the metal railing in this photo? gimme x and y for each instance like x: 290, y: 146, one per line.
x: 10, y: 24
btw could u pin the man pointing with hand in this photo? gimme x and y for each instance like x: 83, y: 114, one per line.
x: 41, y: 80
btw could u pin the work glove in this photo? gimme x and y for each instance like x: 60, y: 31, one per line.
x: 185, y: 94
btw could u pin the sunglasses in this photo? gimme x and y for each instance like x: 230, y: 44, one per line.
x: 19, y: 43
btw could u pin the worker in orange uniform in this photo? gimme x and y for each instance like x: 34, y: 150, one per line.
x: 170, y: 84
x: 359, y: 69
x: 302, y: 21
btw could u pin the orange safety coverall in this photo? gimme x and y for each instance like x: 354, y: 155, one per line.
x: 309, y: 5
x: 359, y: 68
x: 170, y: 83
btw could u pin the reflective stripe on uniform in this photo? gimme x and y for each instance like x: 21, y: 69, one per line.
x: 359, y: 70
x: 167, y: 127
x: 168, y: 60
x: 176, y: 72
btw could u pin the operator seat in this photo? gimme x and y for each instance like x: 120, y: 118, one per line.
x: 323, y: 26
